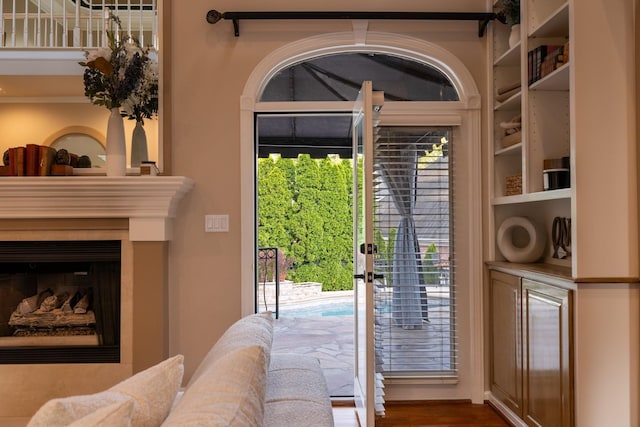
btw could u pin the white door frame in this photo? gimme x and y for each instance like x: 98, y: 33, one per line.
x: 465, y: 113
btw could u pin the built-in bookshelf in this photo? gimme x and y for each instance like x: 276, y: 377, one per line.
x: 542, y: 103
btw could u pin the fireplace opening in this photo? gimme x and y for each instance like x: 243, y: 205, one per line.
x: 60, y: 302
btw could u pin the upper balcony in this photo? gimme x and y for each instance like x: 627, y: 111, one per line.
x: 48, y: 37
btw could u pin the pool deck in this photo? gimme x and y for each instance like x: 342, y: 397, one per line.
x: 328, y: 338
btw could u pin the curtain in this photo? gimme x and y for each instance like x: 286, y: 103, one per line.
x: 398, y: 164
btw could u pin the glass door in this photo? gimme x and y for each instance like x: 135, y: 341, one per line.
x: 367, y: 382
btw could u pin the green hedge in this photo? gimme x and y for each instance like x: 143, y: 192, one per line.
x: 305, y: 209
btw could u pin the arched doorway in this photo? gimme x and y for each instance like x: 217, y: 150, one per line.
x: 461, y: 115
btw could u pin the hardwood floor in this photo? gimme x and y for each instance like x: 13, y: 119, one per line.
x: 440, y: 414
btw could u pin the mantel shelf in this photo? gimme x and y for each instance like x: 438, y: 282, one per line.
x: 149, y: 202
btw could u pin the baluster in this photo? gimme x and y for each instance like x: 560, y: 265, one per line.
x: 52, y: 29
x: 76, y: 26
x: 13, y: 25
x: 25, y: 33
x: 154, y: 25
x: 141, y: 26
x: 105, y: 16
x: 37, y: 26
x: 90, y: 25
x: 129, y: 18
x: 2, y: 40
x: 65, y: 41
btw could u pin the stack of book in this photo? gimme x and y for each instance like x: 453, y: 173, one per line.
x: 545, y: 59
x: 33, y: 160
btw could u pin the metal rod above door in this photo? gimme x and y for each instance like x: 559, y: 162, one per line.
x: 483, y: 18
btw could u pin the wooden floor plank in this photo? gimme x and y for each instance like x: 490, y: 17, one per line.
x: 433, y: 414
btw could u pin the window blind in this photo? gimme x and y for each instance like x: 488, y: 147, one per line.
x: 415, y: 293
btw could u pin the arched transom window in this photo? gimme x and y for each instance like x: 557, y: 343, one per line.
x: 338, y: 77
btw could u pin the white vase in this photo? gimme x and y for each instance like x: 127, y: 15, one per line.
x: 514, y: 36
x: 116, y: 146
x: 139, y: 151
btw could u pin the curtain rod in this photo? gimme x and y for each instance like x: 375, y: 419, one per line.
x: 483, y: 18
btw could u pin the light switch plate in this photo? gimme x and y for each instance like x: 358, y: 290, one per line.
x: 216, y: 223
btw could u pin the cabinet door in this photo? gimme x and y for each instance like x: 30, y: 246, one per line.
x: 506, y: 354
x: 546, y: 314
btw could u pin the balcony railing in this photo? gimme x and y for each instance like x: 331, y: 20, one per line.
x: 38, y: 24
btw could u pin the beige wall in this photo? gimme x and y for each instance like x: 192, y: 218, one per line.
x: 210, y: 68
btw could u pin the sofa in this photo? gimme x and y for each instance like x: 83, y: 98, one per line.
x: 238, y: 383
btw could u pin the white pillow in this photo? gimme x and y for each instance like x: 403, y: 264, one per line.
x: 152, y: 392
x: 254, y: 329
x: 64, y: 411
x: 228, y: 394
x: 114, y: 415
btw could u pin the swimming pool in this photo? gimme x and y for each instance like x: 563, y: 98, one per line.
x: 341, y: 307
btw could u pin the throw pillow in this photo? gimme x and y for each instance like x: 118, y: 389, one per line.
x: 152, y: 392
x: 229, y: 394
x: 64, y: 411
x: 255, y: 329
x: 114, y: 415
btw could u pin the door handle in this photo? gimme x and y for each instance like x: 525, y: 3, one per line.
x: 358, y: 276
x: 368, y: 249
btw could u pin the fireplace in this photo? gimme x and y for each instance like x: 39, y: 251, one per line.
x: 60, y: 302
x: 105, y: 227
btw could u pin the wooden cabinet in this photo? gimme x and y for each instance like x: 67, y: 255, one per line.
x: 506, y: 340
x: 531, y: 351
x: 546, y: 348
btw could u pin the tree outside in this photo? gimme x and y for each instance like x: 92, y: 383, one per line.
x: 305, y: 209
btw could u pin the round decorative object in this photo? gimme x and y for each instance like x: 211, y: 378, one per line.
x: 116, y: 150
x: 514, y: 36
x: 139, y: 151
x: 519, y: 239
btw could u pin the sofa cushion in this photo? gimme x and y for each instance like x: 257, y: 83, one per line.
x: 255, y: 329
x: 115, y: 415
x: 152, y: 392
x: 297, y: 393
x: 229, y: 393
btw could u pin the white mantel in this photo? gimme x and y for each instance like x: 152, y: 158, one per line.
x: 149, y: 202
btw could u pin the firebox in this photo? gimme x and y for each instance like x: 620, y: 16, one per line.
x: 60, y: 302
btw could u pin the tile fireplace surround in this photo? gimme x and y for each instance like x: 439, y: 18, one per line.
x: 136, y: 210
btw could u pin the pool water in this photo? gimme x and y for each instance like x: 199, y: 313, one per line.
x: 333, y: 308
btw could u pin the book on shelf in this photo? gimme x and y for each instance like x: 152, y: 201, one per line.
x: 17, y: 161
x: 551, y: 63
x: 47, y: 157
x: 542, y: 60
x: 32, y: 165
x: 61, y: 170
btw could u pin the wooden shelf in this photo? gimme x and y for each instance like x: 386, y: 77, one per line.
x: 556, y: 25
x: 512, y: 103
x: 510, y: 57
x: 509, y: 151
x: 563, y: 193
x: 558, y: 80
